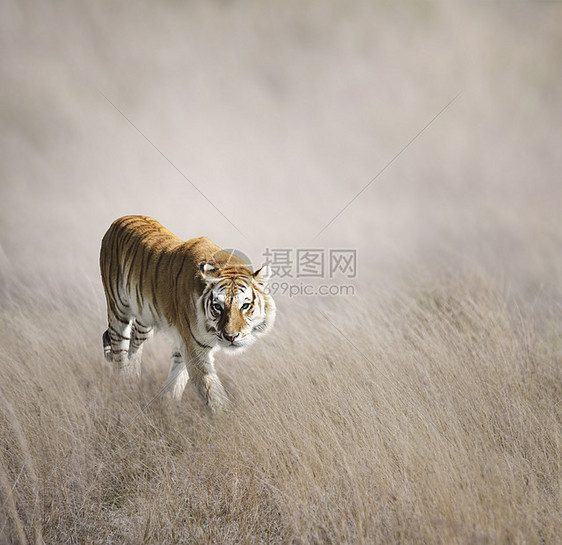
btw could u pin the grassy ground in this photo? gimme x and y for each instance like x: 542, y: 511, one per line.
x: 437, y: 421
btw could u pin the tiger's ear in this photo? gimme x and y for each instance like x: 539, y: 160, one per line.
x: 208, y: 272
x: 262, y: 275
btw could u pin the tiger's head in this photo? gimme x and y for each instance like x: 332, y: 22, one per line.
x: 236, y: 304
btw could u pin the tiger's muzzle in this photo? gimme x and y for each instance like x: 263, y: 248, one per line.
x: 232, y: 341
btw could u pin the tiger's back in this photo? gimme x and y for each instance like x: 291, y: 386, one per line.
x: 139, y: 261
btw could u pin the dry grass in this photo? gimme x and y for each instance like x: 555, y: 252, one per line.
x: 441, y: 425
x: 438, y: 419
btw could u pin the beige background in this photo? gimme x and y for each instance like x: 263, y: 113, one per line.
x: 280, y: 113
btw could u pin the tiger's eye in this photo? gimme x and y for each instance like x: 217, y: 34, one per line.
x: 245, y: 306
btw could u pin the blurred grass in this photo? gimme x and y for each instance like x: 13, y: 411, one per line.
x: 450, y: 433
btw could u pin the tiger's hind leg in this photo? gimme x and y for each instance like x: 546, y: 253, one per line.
x: 139, y: 334
x: 107, y: 345
x: 119, y: 335
x: 177, y: 376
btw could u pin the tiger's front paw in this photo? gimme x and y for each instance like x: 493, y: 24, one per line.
x: 215, y: 396
x: 218, y: 406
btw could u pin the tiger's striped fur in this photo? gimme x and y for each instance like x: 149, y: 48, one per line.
x: 205, y: 298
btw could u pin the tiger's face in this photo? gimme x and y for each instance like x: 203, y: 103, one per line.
x: 236, y: 305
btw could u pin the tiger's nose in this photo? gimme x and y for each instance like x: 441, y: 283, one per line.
x: 231, y: 338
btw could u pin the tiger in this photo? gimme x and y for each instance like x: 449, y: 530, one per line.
x: 205, y: 298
